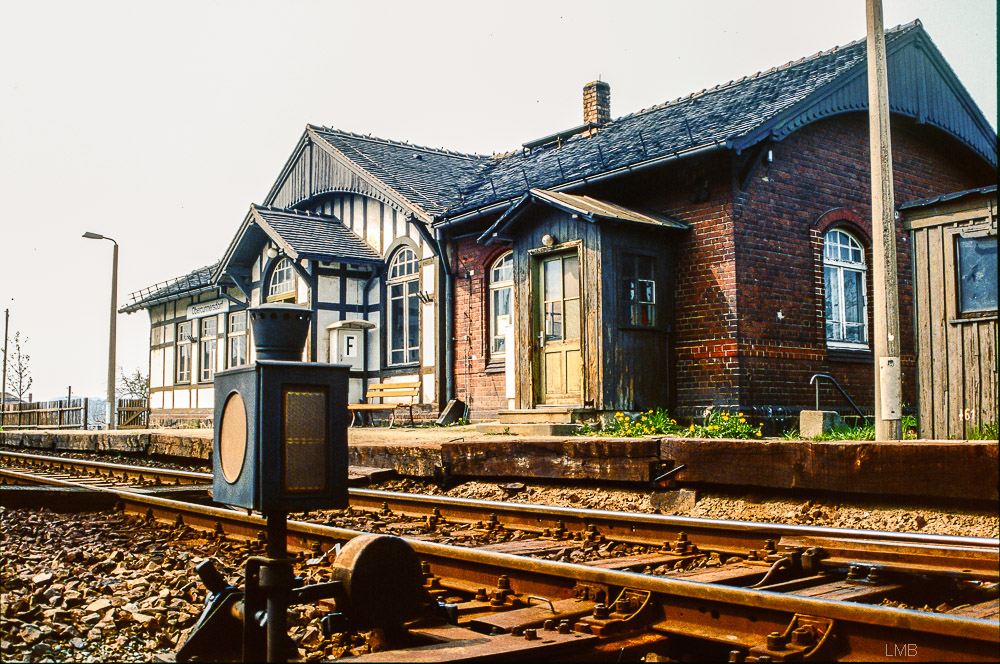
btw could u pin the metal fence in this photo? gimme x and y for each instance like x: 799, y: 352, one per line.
x: 59, y: 414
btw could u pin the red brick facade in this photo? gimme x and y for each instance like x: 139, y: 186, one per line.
x: 479, y: 379
x: 749, y: 297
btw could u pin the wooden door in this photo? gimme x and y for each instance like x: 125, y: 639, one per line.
x: 558, y: 355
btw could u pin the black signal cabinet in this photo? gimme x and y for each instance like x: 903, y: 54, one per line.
x: 280, y: 440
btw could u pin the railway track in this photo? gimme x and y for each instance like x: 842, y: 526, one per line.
x: 583, y: 584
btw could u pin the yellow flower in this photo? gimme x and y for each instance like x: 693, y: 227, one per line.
x: 725, y: 418
x: 758, y: 433
x: 743, y: 419
x: 691, y: 428
x: 713, y: 427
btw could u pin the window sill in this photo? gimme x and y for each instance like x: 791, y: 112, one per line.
x: 980, y: 318
x: 402, y: 365
x: 860, y: 355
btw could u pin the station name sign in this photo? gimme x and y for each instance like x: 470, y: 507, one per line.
x: 207, y: 308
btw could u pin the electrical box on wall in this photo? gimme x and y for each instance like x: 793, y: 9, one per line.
x: 347, y: 342
x: 280, y: 440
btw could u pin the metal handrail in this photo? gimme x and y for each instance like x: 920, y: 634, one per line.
x: 837, y: 385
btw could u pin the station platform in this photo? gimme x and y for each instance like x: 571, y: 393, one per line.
x: 945, y: 469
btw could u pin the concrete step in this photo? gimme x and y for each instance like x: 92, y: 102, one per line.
x: 549, y: 414
x: 529, y: 429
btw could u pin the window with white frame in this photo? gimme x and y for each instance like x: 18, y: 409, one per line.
x: 404, y: 308
x: 501, y: 292
x: 844, y: 272
x: 209, y: 347
x: 238, y: 340
x: 184, y: 352
x: 282, y: 279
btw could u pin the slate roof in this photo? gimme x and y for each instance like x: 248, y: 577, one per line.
x: 313, y: 236
x: 733, y: 115
x: 194, y: 282
x: 431, y: 179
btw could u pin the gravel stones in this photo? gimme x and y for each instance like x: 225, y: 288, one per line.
x: 878, y: 514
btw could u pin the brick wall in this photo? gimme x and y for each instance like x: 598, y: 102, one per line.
x: 740, y: 265
x: 480, y: 386
x: 820, y: 179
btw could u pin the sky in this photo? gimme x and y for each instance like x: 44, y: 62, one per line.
x: 158, y: 124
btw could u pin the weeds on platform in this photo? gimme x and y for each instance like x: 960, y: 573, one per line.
x: 721, y: 424
x: 985, y: 432
x: 651, y: 423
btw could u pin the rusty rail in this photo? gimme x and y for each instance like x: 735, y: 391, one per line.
x: 737, y: 617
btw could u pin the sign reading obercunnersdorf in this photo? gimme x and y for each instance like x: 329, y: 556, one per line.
x: 207, y: 308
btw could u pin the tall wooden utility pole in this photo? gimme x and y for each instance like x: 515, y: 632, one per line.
x: 888, y: 373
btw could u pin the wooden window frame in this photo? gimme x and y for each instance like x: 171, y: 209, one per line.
x: 404, y: 272
x: 839, y: 266
x: 496, y: 285
x: 283, y: 269
x: 183, y: 344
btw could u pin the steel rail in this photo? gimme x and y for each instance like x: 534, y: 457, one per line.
x: 685, y: 607
x: 126, y: 471
x: 903, y: 552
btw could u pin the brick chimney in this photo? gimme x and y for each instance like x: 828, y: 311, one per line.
x: 597, y: 103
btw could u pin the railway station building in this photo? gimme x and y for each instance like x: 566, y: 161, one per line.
x: 711, y: 251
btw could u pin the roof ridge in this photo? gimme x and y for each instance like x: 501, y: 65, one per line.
x: 720, y: 86
x: 402, y: 144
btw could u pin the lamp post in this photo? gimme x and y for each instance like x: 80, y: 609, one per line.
x: 110, y: 406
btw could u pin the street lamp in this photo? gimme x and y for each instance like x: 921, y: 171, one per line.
x: 110, y: 406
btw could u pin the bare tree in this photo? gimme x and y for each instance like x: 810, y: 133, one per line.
x: 19, y: 372
x: 132, y: 386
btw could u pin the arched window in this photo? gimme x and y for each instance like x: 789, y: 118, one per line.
x: 501, y: 292
x: 844, y: 280
x: 282, y: 279
x: 404, y: 308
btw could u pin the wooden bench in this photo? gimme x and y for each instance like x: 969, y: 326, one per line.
x: 382, y: 391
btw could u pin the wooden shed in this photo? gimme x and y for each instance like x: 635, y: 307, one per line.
x: 594, y: 301
x: 954, y: 241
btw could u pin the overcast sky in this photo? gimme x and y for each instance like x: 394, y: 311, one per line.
x: 158, y: 124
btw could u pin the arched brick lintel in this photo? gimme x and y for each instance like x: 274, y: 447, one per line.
x: 846, y: 218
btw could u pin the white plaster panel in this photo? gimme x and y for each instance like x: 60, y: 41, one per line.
x: 156, y: 400
x: 156, y: 368
x: 427, y: 336
x: 182, y: 399
x: 168, y: 399
x: 411, y: 231
x: 427, y: 279
x: 255, y: 297
x: 354, y: 288
x: 168, y: 366
x: 156, y: 314
x: 357, y: 210
x: 170, y: 309
x: 354, y: 390
x: 329, y: 289
x: 324, y: 318
x: 374, y: 292
x: 374, y: 212
x: 374, y: 341
x: 428, y: 391
x: 206, y: 397
x: 255, y: 270
x: 387, y: 231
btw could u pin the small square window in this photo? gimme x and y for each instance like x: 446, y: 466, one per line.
x: 977, y: 274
